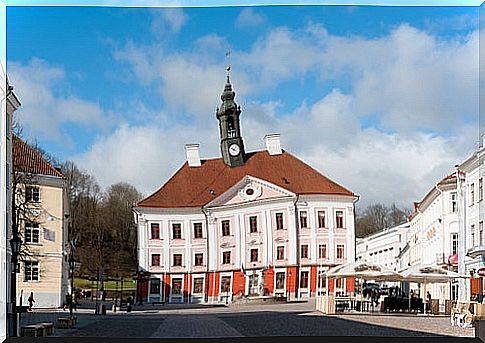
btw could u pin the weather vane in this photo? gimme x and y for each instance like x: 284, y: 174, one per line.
x: 228, y: 56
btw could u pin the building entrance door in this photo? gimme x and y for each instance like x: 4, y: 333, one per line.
x: 254, y: 284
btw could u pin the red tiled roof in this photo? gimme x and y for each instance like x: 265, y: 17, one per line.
x: 191, y: 186
x: 27, y: 160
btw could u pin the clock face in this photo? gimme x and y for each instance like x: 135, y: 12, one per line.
x: 234, y: 149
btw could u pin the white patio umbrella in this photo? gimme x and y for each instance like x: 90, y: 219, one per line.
x: 427, y: 273
x: 363, y: 270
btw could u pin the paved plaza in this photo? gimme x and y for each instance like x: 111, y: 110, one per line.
x: 297, y: 319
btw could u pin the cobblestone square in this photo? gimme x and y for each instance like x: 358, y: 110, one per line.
x: 297, y: 319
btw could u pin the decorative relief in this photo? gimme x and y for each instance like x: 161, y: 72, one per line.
x: 251, y: 191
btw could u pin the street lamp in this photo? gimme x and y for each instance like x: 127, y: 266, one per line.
x: 71, y: 269
x: 15, y: 245
x: 116, y: 293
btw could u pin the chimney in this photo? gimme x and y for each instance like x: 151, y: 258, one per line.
x: 273, y: 144
x: 193, y: 156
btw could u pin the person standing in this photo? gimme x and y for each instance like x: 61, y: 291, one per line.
x: 31, y: 300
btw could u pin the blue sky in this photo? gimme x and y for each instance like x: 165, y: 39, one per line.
x: 384, y: 100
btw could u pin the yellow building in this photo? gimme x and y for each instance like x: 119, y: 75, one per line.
x: 41, y: 213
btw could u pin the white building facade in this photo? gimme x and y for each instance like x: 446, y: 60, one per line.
x: 383, y: 247
x: 434, y: 234
x: 244, y: 225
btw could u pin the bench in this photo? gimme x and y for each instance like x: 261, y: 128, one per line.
x: 35, y: 330
x: 462, y: 315
x: 66, y: 322
x: 48, y: 327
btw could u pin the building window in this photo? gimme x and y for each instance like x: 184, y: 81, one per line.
x: 480, y: 189
x: 32, y: 194
x: 322, y: 251
x: 454, y: 243
x: 226, y: 257
x: 177, y: 231
x: 154, y: 286
x: 199, y: 259
x: 198, y: 285
x: 177, y: 286
x: 339, y: 219
x: 156, y: 260
x: 339, y: 283
x: 321, y: 219
x: 472, y: 228
x: 472, y: 193
x: 480, y: 228
x: 254, y: 255
x: 31, y: 269
x: 279, y: 221
x: 198, y: 230
x: 304, y: 251
x: 32, y: 233
x: 280, y: 253
x: 253, y: 224
x: 303, y: 220
x: 225, y: 284
x: 155, y: 230
x: 226, y: 230
x: 280, y: 280
x: 304, y: 280
x: 340, y: 251
x: 454, y: 202
x: 177, y: 260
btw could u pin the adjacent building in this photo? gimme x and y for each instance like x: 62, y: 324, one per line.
x: 248, y: 224
x: 9, y: 104
x: 41, y: 213
x: 434, y: 233
x: 383, y: 247
x: 471, y: 200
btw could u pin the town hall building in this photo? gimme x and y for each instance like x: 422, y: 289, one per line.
x: 247, y: 224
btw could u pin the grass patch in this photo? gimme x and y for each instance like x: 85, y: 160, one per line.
x: 110, y: 285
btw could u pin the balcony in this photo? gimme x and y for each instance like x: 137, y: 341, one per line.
x: 477, y: 250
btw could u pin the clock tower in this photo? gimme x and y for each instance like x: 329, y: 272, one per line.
x: 232, y: 146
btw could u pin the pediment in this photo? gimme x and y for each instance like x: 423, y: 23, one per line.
x: 250, y: 189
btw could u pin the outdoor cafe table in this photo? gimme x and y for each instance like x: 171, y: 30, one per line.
x: 352, y: 303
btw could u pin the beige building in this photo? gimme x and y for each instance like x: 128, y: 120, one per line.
x: 42, y: 213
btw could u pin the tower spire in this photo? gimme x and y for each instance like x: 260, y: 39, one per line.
x: 232, y: 145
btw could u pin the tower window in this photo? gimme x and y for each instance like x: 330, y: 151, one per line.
x: 231, y: 131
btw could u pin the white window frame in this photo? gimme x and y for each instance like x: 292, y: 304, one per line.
x: 32, y: 229
x: 31, y: 274
x: 31, y: 197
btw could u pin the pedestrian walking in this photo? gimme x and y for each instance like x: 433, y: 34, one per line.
x: 31, y: 300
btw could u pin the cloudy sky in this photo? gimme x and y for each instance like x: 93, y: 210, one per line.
x: 383, y: 100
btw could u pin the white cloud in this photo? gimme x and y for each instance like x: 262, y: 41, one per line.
x: 168, y: 20
x: 250, y: 18
x: 46, y: 106
x: 405, y: 85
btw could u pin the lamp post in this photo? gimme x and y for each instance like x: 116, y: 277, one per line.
x: 116, y: 293
x: 71, y: 269
x: 121, y: 294
x: 15, y: 245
